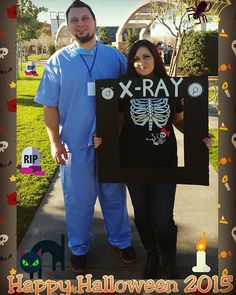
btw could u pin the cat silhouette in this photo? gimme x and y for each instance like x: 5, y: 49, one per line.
x: 45, y: 246
x: 31, y: 262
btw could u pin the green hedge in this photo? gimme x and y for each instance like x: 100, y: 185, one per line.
x: 51, y: 49
x: 199, y: 54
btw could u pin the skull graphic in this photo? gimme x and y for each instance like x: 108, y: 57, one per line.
x: 3, y: 52
x: 162, y: 135
x: 3, y: 239
x: 3, y: 146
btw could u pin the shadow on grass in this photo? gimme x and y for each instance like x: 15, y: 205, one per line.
x: 30, y: 78
x: 29, y: 102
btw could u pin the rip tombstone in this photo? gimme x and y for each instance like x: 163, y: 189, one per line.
x: 30, y: 162
x: 30, y: 157
x: 31, y: 69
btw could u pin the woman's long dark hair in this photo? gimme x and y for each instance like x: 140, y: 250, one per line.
x: 159, y: 68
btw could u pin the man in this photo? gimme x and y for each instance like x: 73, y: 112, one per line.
x: 67, y: 91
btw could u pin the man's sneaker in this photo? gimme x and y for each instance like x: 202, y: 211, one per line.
x: 127, y: 255
x: 78, y: 264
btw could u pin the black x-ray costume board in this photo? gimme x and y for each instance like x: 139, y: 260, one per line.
x: 196, y: 155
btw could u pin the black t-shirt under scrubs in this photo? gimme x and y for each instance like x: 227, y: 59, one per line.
x: 147, y: 138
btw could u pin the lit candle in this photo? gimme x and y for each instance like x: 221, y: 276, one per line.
x: 225, y: 182
x: 225, y: 87
x: 201, y: 256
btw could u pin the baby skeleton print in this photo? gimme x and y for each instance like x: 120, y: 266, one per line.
x: 151, y: 111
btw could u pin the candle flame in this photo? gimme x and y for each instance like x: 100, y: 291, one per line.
x: 225, y: 85
x: 225, y: 272
x: 201, y: 245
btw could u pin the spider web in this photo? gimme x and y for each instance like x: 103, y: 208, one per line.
x: 217, y: 6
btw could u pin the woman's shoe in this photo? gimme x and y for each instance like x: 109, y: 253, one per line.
x: 167, y: 240
x: 170, y: 267
x: 152, y: 266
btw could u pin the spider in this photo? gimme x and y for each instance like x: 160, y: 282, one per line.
x: 200, y: 7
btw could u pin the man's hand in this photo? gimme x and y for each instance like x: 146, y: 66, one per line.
x: 57, y: 150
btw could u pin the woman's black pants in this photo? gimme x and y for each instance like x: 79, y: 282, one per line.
x: 153, y: 209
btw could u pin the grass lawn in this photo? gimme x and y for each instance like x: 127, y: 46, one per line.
x: 213, y: 95
x: 213, y: 154
x: 37, y: 57
x: 31, y: 132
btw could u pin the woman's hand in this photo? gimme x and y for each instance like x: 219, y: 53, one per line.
x: 97, y: 141
x: 209, y: 140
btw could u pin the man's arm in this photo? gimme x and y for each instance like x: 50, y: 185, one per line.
x: 51, y: 119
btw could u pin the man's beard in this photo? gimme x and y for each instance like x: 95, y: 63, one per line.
x: 84, y: 39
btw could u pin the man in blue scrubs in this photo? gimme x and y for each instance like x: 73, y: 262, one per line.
x: 67, y: 91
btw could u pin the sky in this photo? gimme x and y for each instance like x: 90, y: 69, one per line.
x: 108, y: 12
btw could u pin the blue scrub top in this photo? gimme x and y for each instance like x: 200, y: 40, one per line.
x: 64, y: 86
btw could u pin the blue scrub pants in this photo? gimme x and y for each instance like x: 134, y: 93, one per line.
x: 81, y: 188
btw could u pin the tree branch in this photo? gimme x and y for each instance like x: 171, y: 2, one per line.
x: 181, y: 21
x: 162, y: 21
x: 174, y: 22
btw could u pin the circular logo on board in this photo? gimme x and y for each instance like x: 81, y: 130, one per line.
x: 195, y: 90
x: 107, y: 93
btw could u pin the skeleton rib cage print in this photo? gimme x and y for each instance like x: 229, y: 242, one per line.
x: 150, y: 110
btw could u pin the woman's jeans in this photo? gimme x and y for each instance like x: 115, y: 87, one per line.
x: 154, y: 203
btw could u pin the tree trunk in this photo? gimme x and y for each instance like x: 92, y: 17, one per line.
x: 26, y: 51
x: 20, y: 59
x: 17, y: 60
x: 175, y: 56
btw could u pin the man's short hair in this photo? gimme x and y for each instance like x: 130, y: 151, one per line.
x: 78, y: 3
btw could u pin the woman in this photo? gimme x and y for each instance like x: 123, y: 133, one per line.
x: 153, y: 202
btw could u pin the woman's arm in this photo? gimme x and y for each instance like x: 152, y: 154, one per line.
x: 178, y: 121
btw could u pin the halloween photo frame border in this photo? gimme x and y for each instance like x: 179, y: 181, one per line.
x: 227, y: 202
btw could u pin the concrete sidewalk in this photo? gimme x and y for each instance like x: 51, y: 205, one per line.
x: 195, y: 212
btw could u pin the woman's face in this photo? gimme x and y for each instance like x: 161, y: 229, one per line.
x: 143, y: 62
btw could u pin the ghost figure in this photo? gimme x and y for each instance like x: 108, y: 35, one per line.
x: 3, y: 146
x: 3, y: 239
x: 3, y: 52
